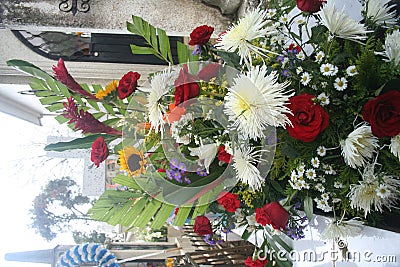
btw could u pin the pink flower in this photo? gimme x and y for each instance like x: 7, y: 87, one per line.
x: 62, y: 75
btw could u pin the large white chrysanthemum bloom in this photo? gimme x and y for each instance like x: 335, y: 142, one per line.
x: 378, y: 11
x: 392, y: 47
x: 342, y: 229
x: 340, y: 24
x: 245, y: 160
x: 366, y: 194
x: 257, y: 100
x: 159, y: 86
x: 359, y: 146
x: 239, y: 36
x: 395, y: 145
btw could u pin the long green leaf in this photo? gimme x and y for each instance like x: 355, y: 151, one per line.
x: 162, y: 215
x: 126, y: 181
x: 28, y: 68
x: 132, y: 214
x: 147, y: 213
x: 182, y: 215
x: 50, y: 100
x: 78, y: 143
x: 183, y: 53
x: 141, y: 50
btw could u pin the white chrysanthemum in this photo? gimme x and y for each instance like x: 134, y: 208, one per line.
x: 378, y: 11
x: 311, y: 174
x: 255, y: 101
x: 206, y: 154
x: 301, y: 56
x: 320, y: 55
x: 342, y: 229
x: 359, y: 146
x: 395, y: 145
x: 323, y: 99
x: 159, y: 86
x: 245, y: 162
x: 271, y: 13
x: 328, y: 169
x: 284, y: 19
x: 340, y: 24
x: 299, y: 70
x: 337, y: 184
x: 323, y: 205
x: 239, y: 37
x: 392, y: 48
x: 300, y: 20
x: 301, y: 168
x: 382, y: 191
x: 320, y: 187
x: 325, y: 196
x: 365, y: 195
x: 315, y: 162
x: 340, y: 84
x: 328, y: 69
x: 305, y: 78
x: 321, y: 151
x: 351, y: 70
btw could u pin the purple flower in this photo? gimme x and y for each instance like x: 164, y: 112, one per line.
x: 285, y: 73
x: 181, y: 167
x: 170, y: 174
x: 187, y: 180
x: 174, y: 164
x: 177, y: 176
x: 197, y: 50
x: 201, y: 173
x: 280, y: 59
x: 208, y: 239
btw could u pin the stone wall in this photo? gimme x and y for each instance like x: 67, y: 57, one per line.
x: 177, y: 17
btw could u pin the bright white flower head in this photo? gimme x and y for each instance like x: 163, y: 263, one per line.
x: 245, y: 161
x: 374, y: 191
x: 342, y: 229
x: 328, y: 69
x: 325, y: 196
x: 340, y: 84
x: 340, y: 24
x: 321, y: 151
x: 311, y: 174
x: 320, y: 56
x: 395, y: 146
x: 323, y: 99
x: 284, y: 19
x: 351, y: 70
x: 256, y: 101
x: 299, y: 70
x: 159, y: 86
x: 320, y: 187
x: 359, y: 146
x: 271, y: 13
x: 392, y: 48
x: 323, y: 205
x: 305, y: 78
x: 206, y: 154
x: 301, y: 56
x: 315, y: 162
x: 239, y: 36
x: 300, y: 20
x: 378, y: 11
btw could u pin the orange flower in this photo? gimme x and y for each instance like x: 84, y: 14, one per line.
x: 174, y: 113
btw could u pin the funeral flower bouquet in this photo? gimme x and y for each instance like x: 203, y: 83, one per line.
x: 293, y: 110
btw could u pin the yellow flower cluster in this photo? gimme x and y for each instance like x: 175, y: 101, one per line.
x: 112, y: 86
x: 248, y: 197
x: 213, y: 89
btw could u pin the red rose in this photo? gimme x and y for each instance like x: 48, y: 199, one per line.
x: 308, y: 119
x: 201, y: 35
x: 229, y: 201
x: 202, y: 226
x: 223, y: 155
x: 209, y: 71
x: 274, y: 214
x: 383, y: 114
x: 310, y: 6
x: 255, y: 263
x: 127, y: 85
x: 99, y: 151
x: 186, y: 86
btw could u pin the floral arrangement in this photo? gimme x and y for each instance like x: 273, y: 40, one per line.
x: 294, y: 110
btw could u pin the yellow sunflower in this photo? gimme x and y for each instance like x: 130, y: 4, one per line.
x: 112, y: 86
x: 132, y: 161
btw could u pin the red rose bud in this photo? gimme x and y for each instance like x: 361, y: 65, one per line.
x: 99, y: 151
x: 308, y: 119
x: 202, y: 226
x: 223, y: 155
x: 62, y: 75
x: 209, y: 71
x: 310, y: 6
x: 274, y: 214
x: 186, y: 86
x: 383, y: 114
x: 229, y: 201
x: 201, y: 35
x: 128, y: 84
x: 255, y: 263
x: 293, y: 47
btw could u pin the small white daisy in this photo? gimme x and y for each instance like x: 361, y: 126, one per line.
x: 257, y: 100
x: 340, y: 24
x: 300, y: 20
x: 324, y: 84
x: 239, y: 37
x: 321, y: 151
x: 320, y: 187
x: 271, y: 13
x: 323, y: 205
x: 299, y: 70
x: 305, y: 78
x: 395, y: 145
x: 379, y: 12
x: 301, y: 168
x: 320, y: 56
x: 382, y: 191
x: 328, y: 169
x: 325, y: 196
x: 293, y: 175
x: 311, y: 174
x: 392, y: 48
x: 245, y: 161
x: 284, y: 19
x: 323, y: 99
x: 340, y: 84
x: 315, y: 162
x: 328, y: 69
x: 301, y: 56
x: 337, y: 185
x: 359, y: 146
x: 351, y: 70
